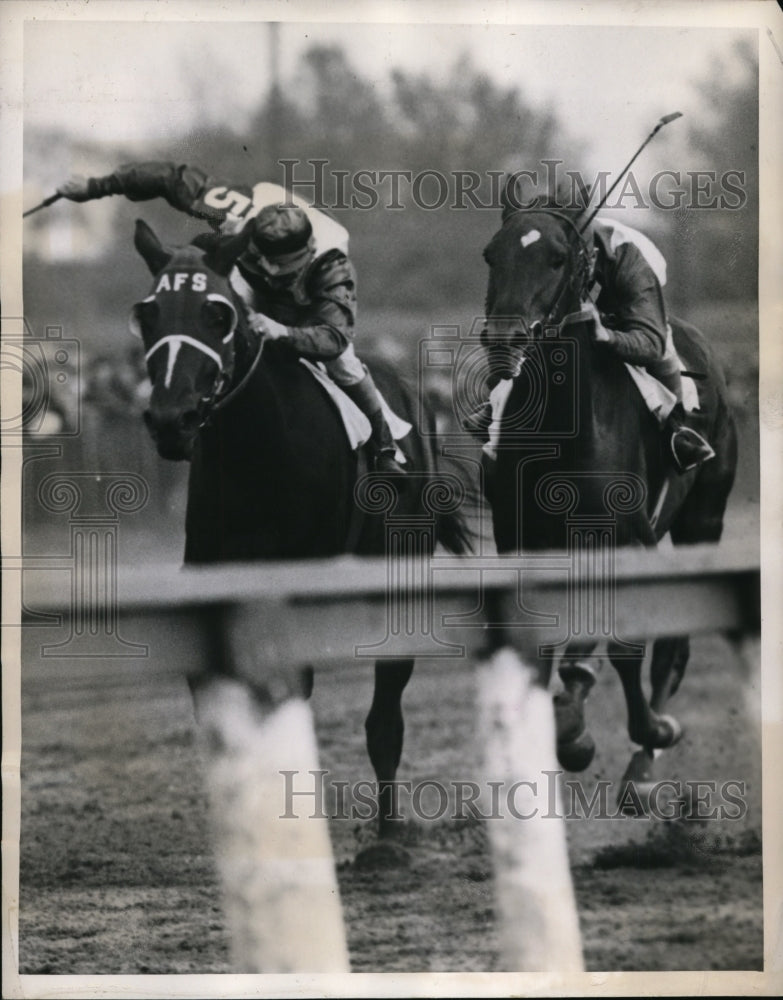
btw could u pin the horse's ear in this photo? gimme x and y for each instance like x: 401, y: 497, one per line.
x: 222, y: 255
x: 149, y: 246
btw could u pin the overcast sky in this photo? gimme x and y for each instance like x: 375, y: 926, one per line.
x: 130, y: 82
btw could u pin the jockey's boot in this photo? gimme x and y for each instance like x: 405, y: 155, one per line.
x: 383, y: 445
x: 366, y: 396
x: 689, y: 449
x: 478, y: 422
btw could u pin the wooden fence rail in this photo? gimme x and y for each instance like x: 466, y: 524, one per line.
x: 278, y: 874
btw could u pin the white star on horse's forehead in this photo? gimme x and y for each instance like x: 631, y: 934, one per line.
x: 530, y: 237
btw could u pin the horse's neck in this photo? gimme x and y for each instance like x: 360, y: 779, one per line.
x: 613, y: 435
x: 571, y: 379
x: 249, y: 393
x: 261, y: 387
x: 584, y: 397
x: 586, y: 386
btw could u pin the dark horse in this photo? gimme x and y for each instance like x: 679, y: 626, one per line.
x: 582, y: 464
x: 272, y: 473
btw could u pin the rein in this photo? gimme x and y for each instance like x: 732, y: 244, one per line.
x: 221, y: 401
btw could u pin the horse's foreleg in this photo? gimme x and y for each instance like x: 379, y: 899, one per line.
x: 578, y: 673
x: 669, y: 659
x: 577, y: 670
x: 385, y: 728
x: 645, y: 726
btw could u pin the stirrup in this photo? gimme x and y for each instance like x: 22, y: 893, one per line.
x: 386, y: 464
x: 694, y: 450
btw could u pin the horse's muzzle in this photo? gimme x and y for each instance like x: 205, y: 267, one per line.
x: 174, y: 434
x: 510, y: 333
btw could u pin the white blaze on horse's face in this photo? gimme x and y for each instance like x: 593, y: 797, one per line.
x: 528, y: 259
x: 530, y: 237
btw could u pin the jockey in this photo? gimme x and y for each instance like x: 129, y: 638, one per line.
x: 628, y: 314
x: 298, y: 287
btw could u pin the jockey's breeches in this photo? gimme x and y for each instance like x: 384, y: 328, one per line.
x: 346, y: 370
x: 667, y: 370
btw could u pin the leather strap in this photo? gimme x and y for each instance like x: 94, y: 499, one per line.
x: 357, y: 518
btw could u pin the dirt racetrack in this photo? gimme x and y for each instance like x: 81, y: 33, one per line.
x: 116, y: 868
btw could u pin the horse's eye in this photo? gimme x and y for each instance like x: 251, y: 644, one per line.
x: 557, y: 262
x: 216, y: 316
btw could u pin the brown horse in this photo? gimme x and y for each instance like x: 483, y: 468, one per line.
x: 583, y: 465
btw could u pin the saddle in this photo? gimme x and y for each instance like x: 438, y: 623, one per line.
x: 357, y: 426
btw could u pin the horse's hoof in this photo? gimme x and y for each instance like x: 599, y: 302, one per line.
x: 382, y: 856
x: 639, y: 768
x: 576, y: 755
x: 665, y: 732
x: 569, y: 718
x: 672, y: 729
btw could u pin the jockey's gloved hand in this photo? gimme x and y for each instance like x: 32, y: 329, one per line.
x: 76, y: 188
x: 599, y: 334
x: 231, y: 225
x: 266, y: 326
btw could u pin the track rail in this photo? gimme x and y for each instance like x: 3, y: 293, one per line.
x: 278, y: 877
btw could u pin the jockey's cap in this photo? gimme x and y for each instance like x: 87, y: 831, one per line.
x: 281, y: 239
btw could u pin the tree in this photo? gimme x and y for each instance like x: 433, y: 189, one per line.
x: 469, y: 122
x: 717, y: 247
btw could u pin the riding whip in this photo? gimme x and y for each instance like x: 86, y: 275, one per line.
x: 664, y: 121
x: 47, y: 201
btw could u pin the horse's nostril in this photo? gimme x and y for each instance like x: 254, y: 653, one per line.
x: 167, y: 422
x: 190, y: 420
x: 518, y: 336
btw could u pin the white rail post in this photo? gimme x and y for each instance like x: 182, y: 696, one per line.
x: 280, y: 889
x: 537, y: 917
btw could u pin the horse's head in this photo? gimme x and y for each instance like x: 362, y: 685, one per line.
x: 539, y: 268
x: 187, y: 324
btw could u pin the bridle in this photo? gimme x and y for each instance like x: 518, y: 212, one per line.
x: 221, y: 392
x: 580, y: 276
x: 218, y: 401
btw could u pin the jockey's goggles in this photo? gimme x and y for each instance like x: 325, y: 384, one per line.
x: 278, y: 265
